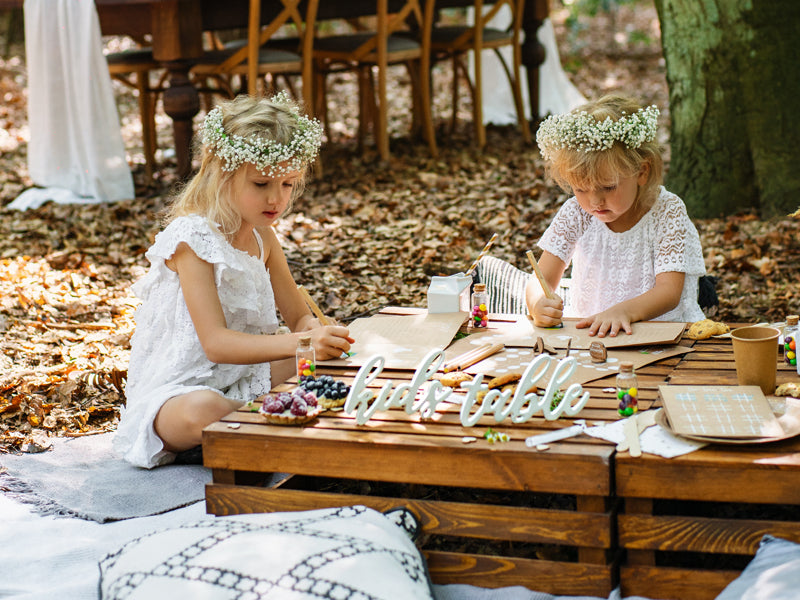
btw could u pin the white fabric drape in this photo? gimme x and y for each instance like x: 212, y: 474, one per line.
x: 557, y: 94
x: 75, y: 140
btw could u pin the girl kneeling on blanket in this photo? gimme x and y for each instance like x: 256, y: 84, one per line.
x: 205, y: 331
x: 635, y: 253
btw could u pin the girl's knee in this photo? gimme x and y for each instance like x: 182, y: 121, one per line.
x: 206, y: 406
x: 181, y: 420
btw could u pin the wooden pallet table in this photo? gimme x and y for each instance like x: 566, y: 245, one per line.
x: 690, y: 523
x: 494, y: 514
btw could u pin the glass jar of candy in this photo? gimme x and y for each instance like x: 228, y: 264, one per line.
x: 627, y: 390
x: 479, y: 317
x: 790, y: 332
x: 304, y: 357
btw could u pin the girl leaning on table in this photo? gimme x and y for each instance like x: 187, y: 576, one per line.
x: 635, y: 253
x: 205, y: 331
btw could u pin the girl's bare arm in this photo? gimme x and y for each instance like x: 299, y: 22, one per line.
x: 221, y: 344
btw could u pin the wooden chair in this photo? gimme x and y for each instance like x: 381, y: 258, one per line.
x: 455, y: 42
x: 260, y: 56
x: 364, y: 51
x: 133, y: 68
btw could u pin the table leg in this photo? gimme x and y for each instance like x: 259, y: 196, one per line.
x: 533, y: 51
x: 181, y: 103
x: 595, y: 504
x: 642, y: 506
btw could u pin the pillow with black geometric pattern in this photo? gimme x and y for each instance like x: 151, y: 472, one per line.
x: 351, y: 552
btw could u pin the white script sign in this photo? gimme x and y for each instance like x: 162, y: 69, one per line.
x: 517, y: 404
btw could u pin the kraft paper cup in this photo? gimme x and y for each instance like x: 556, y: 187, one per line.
x: 755, y: 352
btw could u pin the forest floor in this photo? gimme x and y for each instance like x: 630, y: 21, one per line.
x: 363, y: 236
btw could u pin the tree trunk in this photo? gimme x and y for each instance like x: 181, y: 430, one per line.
x: 733, y: 70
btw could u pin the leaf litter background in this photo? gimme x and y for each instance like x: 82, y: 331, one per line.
x: 362, y: 237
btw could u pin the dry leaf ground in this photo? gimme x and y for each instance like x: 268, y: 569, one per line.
x: 362, y: 236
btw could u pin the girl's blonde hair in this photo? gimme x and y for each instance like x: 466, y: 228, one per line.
x: 577, y: 168
x: 208, y: 193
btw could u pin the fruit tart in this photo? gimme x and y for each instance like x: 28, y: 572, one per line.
x: 290, y: 408
x: 330, y: 393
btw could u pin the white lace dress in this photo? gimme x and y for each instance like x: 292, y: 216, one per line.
x: 166, y: 356
x: 610, y: 267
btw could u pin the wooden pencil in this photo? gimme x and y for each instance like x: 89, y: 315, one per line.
x: 454, y: 364
x: 484, y: 354
x: 313, y: 306
x: 473, y: 356
x: 542, y: 281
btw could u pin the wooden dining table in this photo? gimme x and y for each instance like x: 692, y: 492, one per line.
x: 176, y: 28
x: 571, y: 517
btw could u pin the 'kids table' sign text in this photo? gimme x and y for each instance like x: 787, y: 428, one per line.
x: 422, y: 395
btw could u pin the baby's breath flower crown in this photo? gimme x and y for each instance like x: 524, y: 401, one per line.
x: 580, y: 131
x: 269, y: 156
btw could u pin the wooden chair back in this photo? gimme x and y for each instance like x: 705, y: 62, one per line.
x: 374, y: 50
x: 258, y: 35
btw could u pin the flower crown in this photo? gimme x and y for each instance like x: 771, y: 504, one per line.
x: 580, y: 131
x: 269, y: 156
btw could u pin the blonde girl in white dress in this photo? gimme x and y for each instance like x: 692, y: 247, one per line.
x: 205, y: 331
x: 635, y: 253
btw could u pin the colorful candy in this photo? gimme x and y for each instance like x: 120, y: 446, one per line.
x: 305, y: 367
x: 480, y: 316
x: 628, y: 405
x: 790, y: 348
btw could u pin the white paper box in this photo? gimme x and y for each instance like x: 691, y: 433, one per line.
x: 449, y: 294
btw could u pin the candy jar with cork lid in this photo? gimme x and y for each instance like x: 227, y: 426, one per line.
x: 479, y: 317
x: 627, y: 390
x: 305, y: 359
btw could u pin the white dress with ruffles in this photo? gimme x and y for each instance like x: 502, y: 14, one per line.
x: 610, y: 267
x: 167, y: 359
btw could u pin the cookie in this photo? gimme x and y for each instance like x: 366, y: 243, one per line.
x: 788, y: 389
x: 702, y: 330
x: 454, y: 379
x: 502, y: 380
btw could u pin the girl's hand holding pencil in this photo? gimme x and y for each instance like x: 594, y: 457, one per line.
x: 548, y: 309
x: 331, y: 340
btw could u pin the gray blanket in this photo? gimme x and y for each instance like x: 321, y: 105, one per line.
x: 82, y: 477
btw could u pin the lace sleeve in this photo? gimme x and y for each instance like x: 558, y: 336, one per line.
x: 677, y: 244
x: 563, y: 233
x: 196, y: 231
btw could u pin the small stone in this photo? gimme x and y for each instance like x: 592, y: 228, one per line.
x: 234, y: 425
x: 542, y: 447
x: 598, y: 352
x: 467, y: 439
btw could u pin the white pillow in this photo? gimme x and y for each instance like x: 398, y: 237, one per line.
x: 774, y: 573
x: 351, y: 552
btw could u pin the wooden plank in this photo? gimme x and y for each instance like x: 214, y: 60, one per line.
x: 423, y: 459
x: 560, y: 578
x: 666, y: 583
x: 725, y: 475
x: 700, y: 534
x: 459, y: 519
